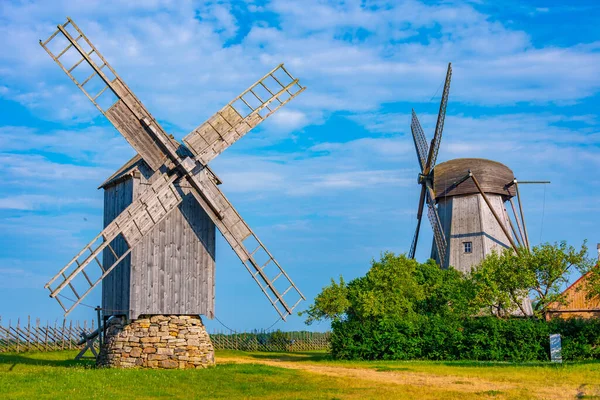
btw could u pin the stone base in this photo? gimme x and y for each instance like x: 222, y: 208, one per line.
x: 157, y: 341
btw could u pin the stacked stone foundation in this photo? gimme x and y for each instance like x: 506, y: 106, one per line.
x: 157, y: 341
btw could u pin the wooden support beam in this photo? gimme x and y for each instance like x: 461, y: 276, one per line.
x: 487, y: 201
x: 522, y: 215
x: 514, y: 231
x: 525, y: 244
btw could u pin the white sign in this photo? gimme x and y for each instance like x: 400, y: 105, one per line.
x: 555, y: 348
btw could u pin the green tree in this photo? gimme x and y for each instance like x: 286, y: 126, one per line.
x: 331, y: 304
x: 552, y: 266
x: 388, y: 290
x: 448, y: 292
x: 593, y: 282
x: 502, y: 283
x: 394, y: 288
x: 503, y: 279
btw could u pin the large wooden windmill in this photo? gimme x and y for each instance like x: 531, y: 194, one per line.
x: 156, y: 252
x: 466, y: 201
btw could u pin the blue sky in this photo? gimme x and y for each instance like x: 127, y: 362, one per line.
x: 327, y: 183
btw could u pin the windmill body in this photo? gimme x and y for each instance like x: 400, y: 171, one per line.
x: 469, y: 226
x: 172, y: 270
x: 155, y: 255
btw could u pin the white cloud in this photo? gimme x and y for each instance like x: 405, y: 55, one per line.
x: 289, y: 120
x: 35, y: 202
x: 184, y: 68
x: 17, y: 278
x: 40, y: 171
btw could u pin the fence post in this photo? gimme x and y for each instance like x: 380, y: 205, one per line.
x: 8, y: 335
x: 70, y: 335
x: 100, y: 333
x: 29, y: 333
x: 18, y: 330
x: 37, y: 333
x: 55, y: 341
x: 62, y: 347
x: 46, y: 336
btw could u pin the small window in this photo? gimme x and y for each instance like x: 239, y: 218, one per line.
x: 468, y: 247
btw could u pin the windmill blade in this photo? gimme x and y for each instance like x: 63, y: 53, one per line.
x: 265, y: 270
x: 242, y: 114
x: 439, y: 127
x: 130, y: 226
x: 419, y: 140
x: 110, y: 95
x: 413, y: 246
x: 436, y: 225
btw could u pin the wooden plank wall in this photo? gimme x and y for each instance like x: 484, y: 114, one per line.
x: 576, y: 298
x: 115, y: 287
x: 467, y: 218
x: 173, y: 268
x: 495, y: 239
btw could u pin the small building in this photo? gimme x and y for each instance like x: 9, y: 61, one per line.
x: 577, y: 302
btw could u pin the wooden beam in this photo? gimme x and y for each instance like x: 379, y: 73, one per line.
x: 514, y: 231
x: 521, y: 212
x: 487, y: 201
x: 512, y: 204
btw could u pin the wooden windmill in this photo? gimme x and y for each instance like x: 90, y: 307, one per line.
x: 147, y: 254
x: 466, y: 201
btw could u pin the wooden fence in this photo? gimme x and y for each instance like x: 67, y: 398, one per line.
x: 271, y: 341
x: 26, y: 335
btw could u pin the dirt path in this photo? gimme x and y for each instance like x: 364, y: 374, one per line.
x: 449, y: 382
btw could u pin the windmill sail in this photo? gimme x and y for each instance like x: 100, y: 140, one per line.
x: 242, y: 114
x: 125, y: 111
x: 427, y: 158
x: 415, y: 241
x: 419, y: 139
x: 265, y: 270
x: 439, y: 127
x: 159, y: 151
x: 438, y: 232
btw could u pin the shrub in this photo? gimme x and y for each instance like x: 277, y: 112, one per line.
x: 482, y: 339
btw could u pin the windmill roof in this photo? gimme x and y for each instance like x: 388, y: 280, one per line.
x: 133, y: 165
x: 125, y: 171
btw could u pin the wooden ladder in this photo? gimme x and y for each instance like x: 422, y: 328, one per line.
x: 73, y: 41
x: 267, y: 285
x: 438, y: 233
x: 65, y: 276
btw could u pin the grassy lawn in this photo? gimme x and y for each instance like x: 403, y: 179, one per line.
x: 295, y: 376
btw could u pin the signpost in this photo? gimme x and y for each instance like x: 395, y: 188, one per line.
x: 555, y: 348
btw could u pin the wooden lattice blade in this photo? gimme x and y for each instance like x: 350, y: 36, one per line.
x: 266, y: 271
x: 438, y: 232
x: 419, y: 139
x: 242, y: 114
x: 439, y: 127
x: 111, y: 95
x: 413, y: 246
x: 131, y: 225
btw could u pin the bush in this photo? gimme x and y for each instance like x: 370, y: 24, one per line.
x: 580, y: 338
x: 401, y: 309
x: 483, y: 339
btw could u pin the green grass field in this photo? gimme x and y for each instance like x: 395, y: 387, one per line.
x: 295, y: 376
